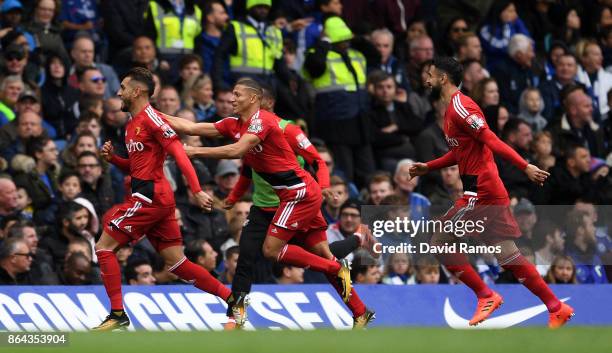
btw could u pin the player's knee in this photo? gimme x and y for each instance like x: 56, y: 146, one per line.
x: 101, y: 246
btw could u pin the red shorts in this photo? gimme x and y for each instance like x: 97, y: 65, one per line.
x: 496, y: 222
x: 134, y: 219
x: 300, y: 218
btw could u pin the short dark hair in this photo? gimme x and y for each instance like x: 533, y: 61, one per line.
x: 190, y: 58
x: 9, y: 246
x: 512, y: 126
x: 16, y: 230
x: 569, y: 89
x: 130, y: 267
x: 67, y: 211
x: 80, y: 72
x: 278, y: 268
x: 231, y: 251
x: 451, y: 67
x: 541, y: 230
x: 252, y: 84
x: 571, y: 148
x: 144, y: 76
x: 87, y: 154
x: 208, y: 6
x: 194, y: 249
x: 67, y: 174
x: 36, y: 144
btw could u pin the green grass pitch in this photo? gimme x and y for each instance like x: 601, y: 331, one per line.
x: 418, y: 340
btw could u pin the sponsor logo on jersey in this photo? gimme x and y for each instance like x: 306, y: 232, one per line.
x: 475, y: 121
x: 167, y: 131
x: 451, y: 141
x: 303, y: 141
x: 256, y: 126
x: 134, y: 146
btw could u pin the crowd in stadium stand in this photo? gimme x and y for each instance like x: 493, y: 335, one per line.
x: 351, y: 74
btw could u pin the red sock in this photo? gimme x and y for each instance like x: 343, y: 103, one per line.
x: 201, y: 278
x: 459, y: 265
x: 296, y: 256
x: 111, y: 276
x: 354, y: 304
x: 527, y: 274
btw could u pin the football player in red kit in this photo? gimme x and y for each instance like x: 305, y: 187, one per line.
x: 149, y: 210
x: 262, y: 145
x: 472, y: 146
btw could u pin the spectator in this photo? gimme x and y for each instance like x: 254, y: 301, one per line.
x: 138, y: 271
x: 226, y: 178
x: 91, y: 81
x: 427, y: 271
x: 312, y: 32
x: 562, y: 271
x: 80, y: 16
x: 69, y: 186
x: 72, y: 221
x: 190, y: 68
x: 24, y: 204
x: 449, y: 40
x: 113, y: 125
x: 566, y: 68
x: 8, y: 197
x: 420, y: 51
x: 380, y: 186
x: 577, y: 124
x: 77, y: 270
x: 469, y: 47
x: 500, y: 25
x: 383, y: 40
x: 85, y: 141
x: 518, y: 135
x: 29, y: 125
x: 11, y: 16
x: 169, y: 101
x: 230, y: 262
x: 200, y: 98
x: 83, y: 54
x: 526, y: 219
x: 548, y: 243
x: 223, y: 104
x: 15, y: 262
x: 331, y: 208
x: 348, y: 235
x: 473, y: 72
x: 604, y: 242
x: 234, y: 227
x: 199, y: 225
x: 394, y: 124
x: 144, y: 54
x: 44, y: 28
x: 486, y: 93
x: 580, y: 231
x: 41, y: 182
x: 398, y: 269
x: 341, y: 104
x: 597, y: 81
x: 56, y: 95
x: 89, y: 122
x: 202, y: 254
x: 443, y: 197
x: 123, y: 23
x: 287, y: 274
x: 17, y: 62
x: 366, y: 274
x: 10, y: 90
x: 531, y: 106
x: 174, y: 28
x: 568, y: 181
x: 405, y: 186
x: 517, y: 74
x: 96, y: 183
x: 541, y: 148
x: 216, y: 19
x: 253, y: 31
x: 41, y: 269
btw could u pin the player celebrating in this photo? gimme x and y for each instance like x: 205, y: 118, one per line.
x: 472, y: 145
x: 150, y: 208
x: 265, y: 204
x: 262, y: 145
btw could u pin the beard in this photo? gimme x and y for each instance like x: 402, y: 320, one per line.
x: 125, y: 106
x: 434, y: 90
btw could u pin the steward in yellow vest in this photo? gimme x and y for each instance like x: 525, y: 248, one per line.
x: 253, y: 47
x: 174, y: 25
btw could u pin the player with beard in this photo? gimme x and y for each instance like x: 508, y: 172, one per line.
x: 263, y: 147
x: 150, y: 209
x: 472, y: 145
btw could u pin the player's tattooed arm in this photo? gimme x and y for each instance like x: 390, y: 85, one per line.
x: 233, y: 151
x: 190, y: 128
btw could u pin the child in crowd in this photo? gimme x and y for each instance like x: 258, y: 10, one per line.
x: 398, y: 269
x: 562, y: 271
x: 531, y: 106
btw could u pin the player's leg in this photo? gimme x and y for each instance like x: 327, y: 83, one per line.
x: 316, y: 242
x: 511, y: 259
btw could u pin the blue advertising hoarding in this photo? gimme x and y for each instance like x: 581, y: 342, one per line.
x: 168, y: 308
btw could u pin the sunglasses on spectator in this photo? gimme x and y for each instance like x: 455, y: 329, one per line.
x: 14, y: 57
x: 29, y: 254
x: 460, y: 29
x: 98, y: 79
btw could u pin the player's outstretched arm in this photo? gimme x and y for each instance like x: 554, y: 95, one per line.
x: 108, y: 154
x: 234, y: 151
x: 175, y: 149
x: 190, y: 128
x: 419, y: 169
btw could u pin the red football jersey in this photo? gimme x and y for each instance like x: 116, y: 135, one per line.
x: 273, y: 159
x: 146, y: 136
x: 463, y: 123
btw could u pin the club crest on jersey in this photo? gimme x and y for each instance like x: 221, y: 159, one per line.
x: 474, y: 121
x: 303, y: 141
x: 167, y: 131
x: 137, y: 130
x: 256, y: 126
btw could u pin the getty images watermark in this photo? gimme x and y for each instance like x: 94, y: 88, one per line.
x: 404, y: 227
